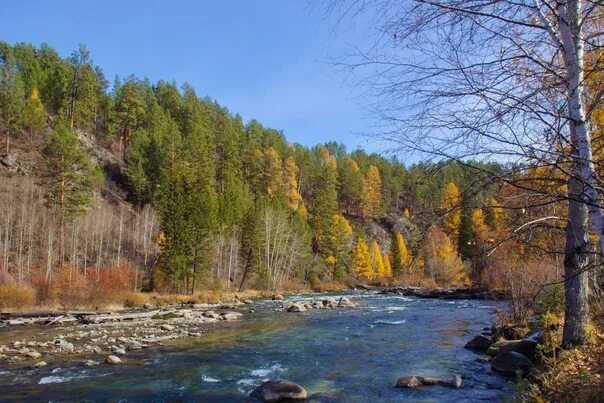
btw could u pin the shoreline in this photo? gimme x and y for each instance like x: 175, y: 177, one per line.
x: 120, y: 338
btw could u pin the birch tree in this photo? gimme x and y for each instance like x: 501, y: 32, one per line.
x: 504, y: 79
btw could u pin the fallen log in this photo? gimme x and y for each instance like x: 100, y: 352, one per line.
x: 118, y: 317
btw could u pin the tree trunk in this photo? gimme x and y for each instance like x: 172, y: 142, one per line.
x: 575, y: 264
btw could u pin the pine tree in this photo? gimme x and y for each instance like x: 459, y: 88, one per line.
x: 68, y: 178
x: 339, y: 244
x: 372, y: 193
x: 325, y: 204
x: 451, y: 204
x: 350, y: 186
x: 361, y: 260
x: 11, y: 93
x: 130, y: 110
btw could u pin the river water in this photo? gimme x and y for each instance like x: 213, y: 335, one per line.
x: 340, y: 355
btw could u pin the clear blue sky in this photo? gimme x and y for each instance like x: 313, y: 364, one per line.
x: 265, y: 59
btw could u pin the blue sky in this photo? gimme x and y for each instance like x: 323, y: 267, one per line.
x: 266, y: 59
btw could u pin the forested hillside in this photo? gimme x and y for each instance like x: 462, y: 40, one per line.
x: 149, y: 186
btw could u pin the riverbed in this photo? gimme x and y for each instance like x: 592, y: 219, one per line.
x: 340, y: 355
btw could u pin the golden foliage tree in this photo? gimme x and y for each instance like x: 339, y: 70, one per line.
x: 441, y: 261
x: 387, y: 265
x: 273, y: 172
x: 401, y: 258
x: 361, y: 260
x: 451, y: 204
x: 372, y: 192
x: 34, y: 114
x: 291, y: 172
x: 377, y: 262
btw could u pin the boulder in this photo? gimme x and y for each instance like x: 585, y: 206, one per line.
x: 33, y: 354
x: 113, y: 359
x: 479, y: 342
x: 278, y: 297
x: 90, y: 363
x: 414, y: 381
x: 40, y: 364
x: 167, y: 327
x: 510, y: 363
x: 507, y: 332
x: 248, y: 301
x: 277, y: 390
x: 525, y: 347
x: 344, y: 302
x: 296, y: 308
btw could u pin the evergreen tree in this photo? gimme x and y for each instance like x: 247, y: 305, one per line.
x: 350, y: 186
x: 129, y: 109
x: 68, y: 178
x: 325, y: 204
x: 11, y: 93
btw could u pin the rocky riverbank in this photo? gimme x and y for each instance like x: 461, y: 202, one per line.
x: 93, y: 338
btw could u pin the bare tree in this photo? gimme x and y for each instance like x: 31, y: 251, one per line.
x: 493, y: 79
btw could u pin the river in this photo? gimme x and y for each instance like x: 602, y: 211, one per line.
x: 340, y: 355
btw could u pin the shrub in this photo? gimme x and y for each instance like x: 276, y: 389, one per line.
x: 14, y: 296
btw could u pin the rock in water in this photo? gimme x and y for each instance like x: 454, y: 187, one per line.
x: 510, y: 362
x: 277, y: 390
x: 413, y: 381
x: 113, y: 359
x: 479, y: 343
x: 40, y: 364
x: 296, y: 308
x: 345, y: 303
x: 278, y: 297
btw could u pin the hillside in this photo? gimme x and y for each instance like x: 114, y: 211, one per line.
x: 144, y: 186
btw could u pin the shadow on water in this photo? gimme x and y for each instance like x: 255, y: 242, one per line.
x: 348, y: 355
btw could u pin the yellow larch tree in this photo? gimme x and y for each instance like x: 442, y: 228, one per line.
x: 377, y: 262
x: 291, y: 172
x: 451, y: 204
x: 372, y: 192
x: 401, y: 258
x: 361, y: 260
x: 387, y: 266
x: 273, y: 172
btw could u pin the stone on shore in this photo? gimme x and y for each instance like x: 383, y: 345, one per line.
x: 414, y: 381
x: 167, y: 327
x: 510, y: 363
x: 525, y: 347
x: 277, y: 390
x: 40, y: 364
x: 479, y: 342
x: 14, y: 322
x: 231, y: 315
x: 113, y: 359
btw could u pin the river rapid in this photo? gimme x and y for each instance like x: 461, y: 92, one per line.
x: 339, y: 355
